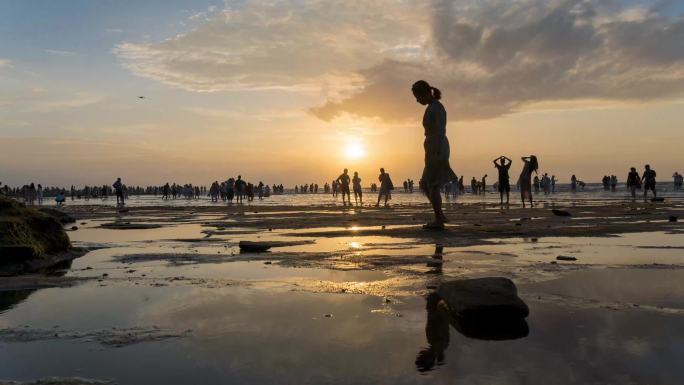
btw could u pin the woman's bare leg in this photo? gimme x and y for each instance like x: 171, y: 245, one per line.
x: 436, y: 200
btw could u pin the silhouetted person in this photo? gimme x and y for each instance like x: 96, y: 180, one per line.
x: 356, y: 182
x: 503, y: 165
x: 60, y: 198
x: 483, y: 185
x: 386, y: 187
x: 649, y: 181
x: 119, y: 191
x: 573, y: 183
x: 525, y: 181
x: 633, y: 182
x: 437, y: 171
x: 343, y: 181
x: 240, y: 188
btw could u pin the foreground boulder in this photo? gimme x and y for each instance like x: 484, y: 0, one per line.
x: 484, y: 299
x: 59, y: 215
x: 30, y: 240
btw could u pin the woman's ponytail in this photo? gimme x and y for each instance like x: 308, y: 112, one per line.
x: 436, y: 93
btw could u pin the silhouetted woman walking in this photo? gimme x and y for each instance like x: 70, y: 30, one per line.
x: 437, y: 171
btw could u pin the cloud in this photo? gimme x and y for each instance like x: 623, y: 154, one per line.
x: 5, y: 64
x: 58, y: 52
x: 38, y: 101
x: 497, y: 57
x: 264, y: 115
x: 490, y: 58
x: 305, y: 45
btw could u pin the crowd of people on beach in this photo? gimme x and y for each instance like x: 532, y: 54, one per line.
x: 237, y: 190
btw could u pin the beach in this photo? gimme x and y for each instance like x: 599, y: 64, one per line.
x: 163, y: 294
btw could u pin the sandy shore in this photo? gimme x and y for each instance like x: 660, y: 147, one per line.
x: 160, y: 276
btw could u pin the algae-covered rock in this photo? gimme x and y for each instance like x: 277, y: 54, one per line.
x: 59, y: 215
x: 28, y: 234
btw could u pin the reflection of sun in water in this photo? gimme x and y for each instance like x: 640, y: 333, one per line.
x: 354, y: 150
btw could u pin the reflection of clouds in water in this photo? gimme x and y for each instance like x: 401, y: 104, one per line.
x: 269, y: 336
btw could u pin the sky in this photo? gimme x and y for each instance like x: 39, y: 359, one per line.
x: 294, y: 91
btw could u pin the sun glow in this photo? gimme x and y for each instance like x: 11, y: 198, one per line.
x: 354, y: 151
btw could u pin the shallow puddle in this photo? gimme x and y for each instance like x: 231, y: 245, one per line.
x: 624, y: 249
x: 246, y: 336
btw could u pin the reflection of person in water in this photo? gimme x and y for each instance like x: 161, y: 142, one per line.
x: 436, y: 263
x: 437, y: 334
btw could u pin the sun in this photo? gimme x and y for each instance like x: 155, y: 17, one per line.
x: 354, y: 151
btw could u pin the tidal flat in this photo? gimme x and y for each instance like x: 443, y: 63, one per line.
x: 164, y: 295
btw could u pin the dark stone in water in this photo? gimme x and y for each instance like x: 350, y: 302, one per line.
x: 256, y: 247
x: 565, y: 258
x: 561, y: 213
x: 491, y: 298
x: 673, y: 218
x: 130, y: 226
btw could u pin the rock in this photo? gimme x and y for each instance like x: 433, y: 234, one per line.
x: 59, y: 215
x: 261, y: 246
x: 74, y: 228
x: 673, y: 218
x: 561, y: 213
x: 130, y: 226
x: 328, y: 316
x: 483, y: 298
x: 30, y: 240
x: 256, y: 247
x: 565, y: 258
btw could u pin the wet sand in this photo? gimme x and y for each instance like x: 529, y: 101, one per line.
x: 165, y: 296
